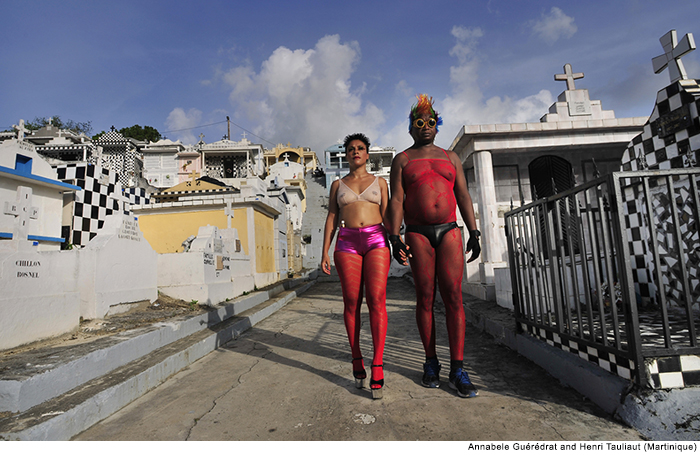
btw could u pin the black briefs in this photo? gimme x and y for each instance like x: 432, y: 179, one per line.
x: 433, y: 232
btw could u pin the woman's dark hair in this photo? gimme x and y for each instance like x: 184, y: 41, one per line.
x: 352, y: 137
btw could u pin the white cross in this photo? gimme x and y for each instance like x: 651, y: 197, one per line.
x: 24, y: 211
x: 201, y: 137
x: 673, y: 51
x: 20, y: 130
x: 228, y: 211
x: 569, y: 77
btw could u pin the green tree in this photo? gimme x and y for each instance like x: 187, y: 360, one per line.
x: 76, y: 127
x: 146, y: 133
x: 98, y: 135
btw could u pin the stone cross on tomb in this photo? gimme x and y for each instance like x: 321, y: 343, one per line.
x: 673, y: 51
x: 21, y: 130
x: 569, y: 77
x: 193, y: 176
x: 201, y: 137
x: 24, y: 211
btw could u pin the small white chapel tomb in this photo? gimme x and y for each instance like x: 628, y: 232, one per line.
x: 513, y: 164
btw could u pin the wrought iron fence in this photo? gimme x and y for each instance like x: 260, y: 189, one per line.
x: 611, y: 267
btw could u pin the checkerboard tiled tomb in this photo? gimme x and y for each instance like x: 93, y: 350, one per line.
x: 101, y: 195
x: 120, y: 155
x: 670, y: 140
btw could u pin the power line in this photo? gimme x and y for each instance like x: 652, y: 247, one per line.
x: 194, y: 127
x: 249, y: 132
x: 219, y: 123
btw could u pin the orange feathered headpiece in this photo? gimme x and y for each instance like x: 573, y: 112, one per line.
x: 422, y: 107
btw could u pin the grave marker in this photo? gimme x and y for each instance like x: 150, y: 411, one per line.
x: 23, y: 210
x: 20, y: 130
x: 569, y: 77
x: 673, y: 51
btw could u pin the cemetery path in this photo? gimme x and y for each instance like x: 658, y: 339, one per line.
x: 289, y: 378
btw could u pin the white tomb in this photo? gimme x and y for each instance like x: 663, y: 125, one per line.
x: 20, y: 164
x: 116, y: 268
x: 212, y: 271
x: 39, y: 296
x: 506, y: 163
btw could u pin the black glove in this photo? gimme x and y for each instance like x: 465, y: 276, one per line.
x: 473, y: 244
x: 397, y: 246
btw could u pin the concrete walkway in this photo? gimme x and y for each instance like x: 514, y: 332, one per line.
x: 289, y: 378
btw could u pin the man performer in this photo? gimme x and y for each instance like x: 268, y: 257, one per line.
x: 427, y: 186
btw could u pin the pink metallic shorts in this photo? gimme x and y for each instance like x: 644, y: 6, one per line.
x: 361, y: 240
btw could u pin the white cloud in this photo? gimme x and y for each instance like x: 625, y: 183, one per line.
x: 403, y: 88
x: 554, y: 25
x: 467, y: 39
x: 304, y: 97
x: 179, y: 121
x: 465, y: 105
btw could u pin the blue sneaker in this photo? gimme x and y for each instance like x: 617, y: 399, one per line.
x: 459, y: 380
x: 431, y: 374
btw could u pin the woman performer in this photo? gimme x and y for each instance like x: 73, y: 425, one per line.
x: 358, y: 204
x: 427, y: 185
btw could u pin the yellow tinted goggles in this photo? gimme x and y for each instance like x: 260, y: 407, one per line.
x: 420, y: 123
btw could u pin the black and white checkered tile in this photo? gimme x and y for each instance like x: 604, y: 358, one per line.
x: 101, y: 195
x: 674, y: 372
x: 239, y: 167
x: 73, y: 152
x: 215, y: 167
x: 616, y: 365
x: 233, y: 166
x: 652, y: 336
x: 670, y: 140
x: 137, y: 196
x: 195, y: 192
x: 120, y: 155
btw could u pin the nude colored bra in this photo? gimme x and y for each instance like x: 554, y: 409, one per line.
x: 347, y: 196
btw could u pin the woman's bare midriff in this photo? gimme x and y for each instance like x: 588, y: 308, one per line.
x: 360, y: 214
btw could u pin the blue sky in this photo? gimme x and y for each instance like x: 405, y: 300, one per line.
x: 310, y: 72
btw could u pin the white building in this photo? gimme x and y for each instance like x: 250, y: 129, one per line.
x: 520, y: 162
x: 379, y: 162
x: 232, y: 162
x: 160, y: 163
x: 288, y: 177
x: 22, y: 166
x: 57, y: 145
x: 301, y: 155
